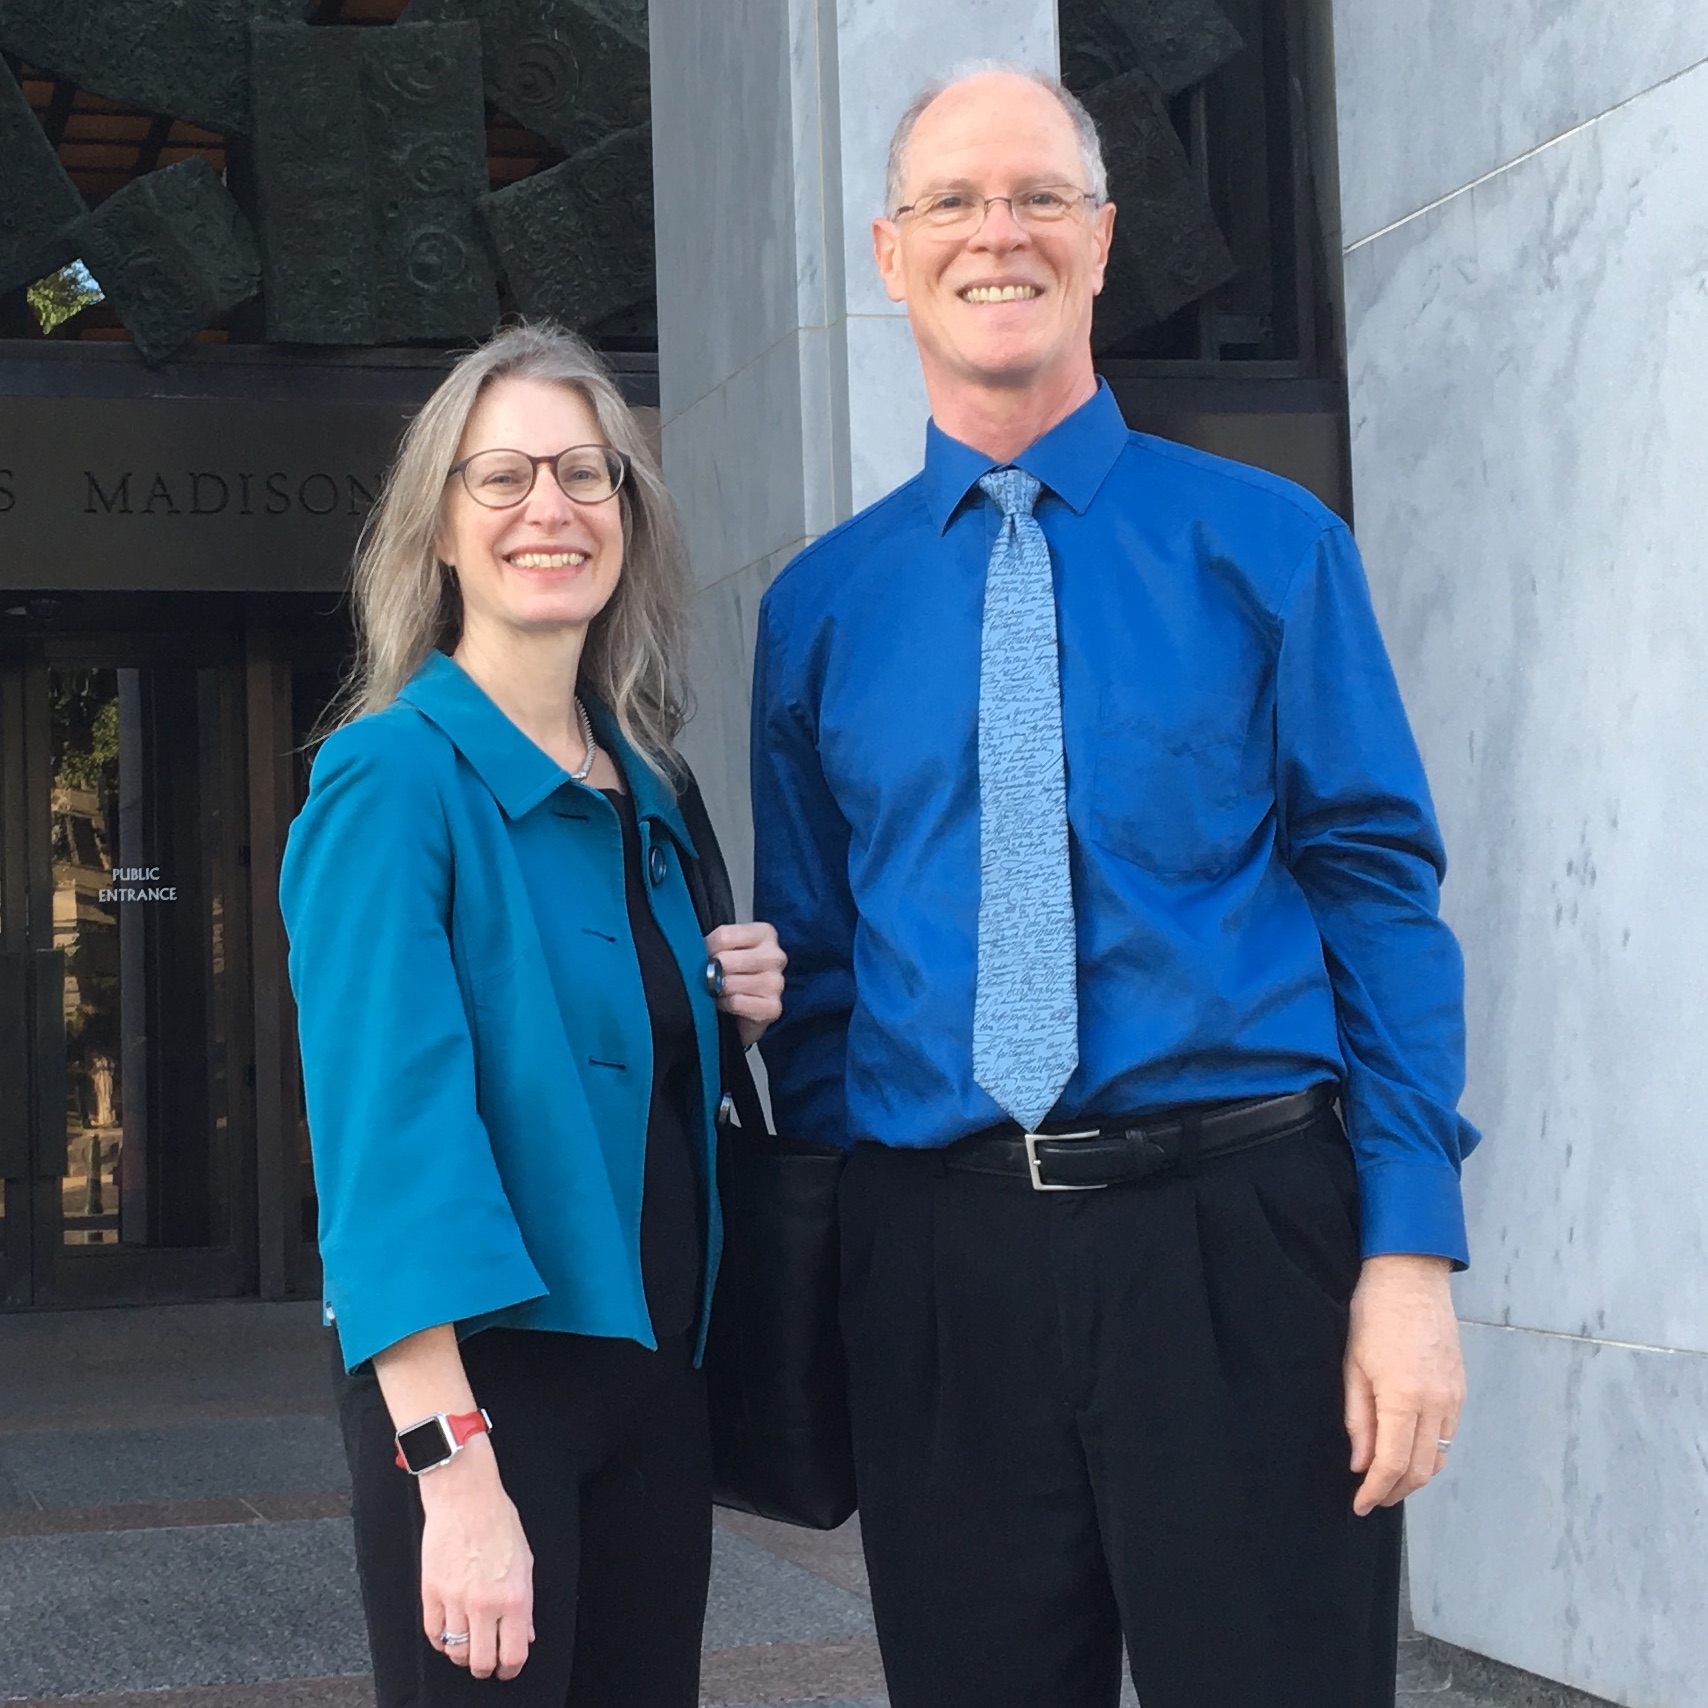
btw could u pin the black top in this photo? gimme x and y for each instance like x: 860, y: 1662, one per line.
x: 672, y: 1217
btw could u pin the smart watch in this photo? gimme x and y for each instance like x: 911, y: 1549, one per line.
x: 438, y: 1439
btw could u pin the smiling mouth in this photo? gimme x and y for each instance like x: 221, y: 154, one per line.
x: 999, y: 293
x: 546, y: 560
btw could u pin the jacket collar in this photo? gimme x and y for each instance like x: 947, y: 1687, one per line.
x: 1073, y: 459
x: 520, y: 774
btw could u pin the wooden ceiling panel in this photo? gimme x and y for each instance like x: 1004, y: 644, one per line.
x: 105, y: 156
x: 129, y: 128
x: 89, y: 103
x: 370, y: 11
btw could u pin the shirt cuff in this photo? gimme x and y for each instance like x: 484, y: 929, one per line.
x: 1413, y: 1208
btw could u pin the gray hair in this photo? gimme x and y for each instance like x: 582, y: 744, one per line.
x: 407, y: 602
x: 1084, y: 126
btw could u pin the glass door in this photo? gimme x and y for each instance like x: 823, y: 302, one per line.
x: 17, y: 1122
x: 125, y: 1018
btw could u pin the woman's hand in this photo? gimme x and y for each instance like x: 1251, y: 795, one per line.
x: 477, y: 1571
x: 752, y: 960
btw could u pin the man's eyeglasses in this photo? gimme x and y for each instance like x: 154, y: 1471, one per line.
x: 588, y: 474
x: 962, y: 212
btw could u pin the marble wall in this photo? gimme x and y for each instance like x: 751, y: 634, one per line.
x: 1435, y: 94
x: 789, y: 390
x: 1525, y: 215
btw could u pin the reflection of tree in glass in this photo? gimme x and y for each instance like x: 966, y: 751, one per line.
x: 83, y: 724
x: 83, y: 716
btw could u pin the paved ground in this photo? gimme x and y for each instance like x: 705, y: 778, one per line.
x: 174, y: 1533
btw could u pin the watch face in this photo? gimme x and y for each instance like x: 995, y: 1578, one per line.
x: 424, y: 1445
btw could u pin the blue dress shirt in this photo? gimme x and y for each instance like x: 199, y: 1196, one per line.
x: 1255, y: 859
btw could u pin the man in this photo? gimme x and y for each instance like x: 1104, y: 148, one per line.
x: 1086, y: 805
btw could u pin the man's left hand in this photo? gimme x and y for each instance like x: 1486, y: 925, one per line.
x: 1405, y: 1379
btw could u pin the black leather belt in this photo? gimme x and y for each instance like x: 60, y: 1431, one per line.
x: 1118, y: 1152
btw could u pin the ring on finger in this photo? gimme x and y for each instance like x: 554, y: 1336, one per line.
x: 1442, y: 1446
x: 453, y: 1639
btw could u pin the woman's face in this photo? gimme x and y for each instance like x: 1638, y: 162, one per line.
x: 546, y: 563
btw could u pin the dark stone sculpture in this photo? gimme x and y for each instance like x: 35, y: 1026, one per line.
x: 37, y: 199
x: 361, y: 156
x: 309, y: 164
x: 561, y: 68
x: 426, y: 136
x: 189, y: 58
x: 576, y: 242
x: 1125, y: 59
x: 172, y: 251
x: 370, y: 152
x: 1174, y: 42
x: 1167, y: 251
x: 627, y: 17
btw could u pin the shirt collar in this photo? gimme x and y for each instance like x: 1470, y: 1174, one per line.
x: 519, y: 773
x: 1073, y: 459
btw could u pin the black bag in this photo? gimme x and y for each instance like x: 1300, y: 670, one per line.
x: 776, y: 1382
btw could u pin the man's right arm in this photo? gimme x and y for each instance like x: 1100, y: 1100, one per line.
x: 800, y: 884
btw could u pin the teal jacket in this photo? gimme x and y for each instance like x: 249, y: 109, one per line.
x: 476, y: 1049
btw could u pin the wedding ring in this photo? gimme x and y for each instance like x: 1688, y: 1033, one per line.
x: 715, y: 976
x: 1442, y: 1446
x: 453, y: 1639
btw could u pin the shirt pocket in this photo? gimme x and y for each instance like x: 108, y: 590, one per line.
x: 1180, y: 796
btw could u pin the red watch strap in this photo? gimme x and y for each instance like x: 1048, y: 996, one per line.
x: 464, y: 1427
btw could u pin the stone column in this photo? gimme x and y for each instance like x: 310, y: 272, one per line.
x: 790, y: 395
x: 1523, y: 206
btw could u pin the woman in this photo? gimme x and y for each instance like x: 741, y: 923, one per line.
x: 509, y: 1052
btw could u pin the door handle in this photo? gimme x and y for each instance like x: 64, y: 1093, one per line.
x: 14, y: 1068
x: 48, y: 1031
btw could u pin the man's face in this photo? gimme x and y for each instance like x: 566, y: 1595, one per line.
x: 1008, y: 304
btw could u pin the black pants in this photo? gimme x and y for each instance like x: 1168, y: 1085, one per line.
x: 603, y: 1447
x: 1082, y: 1416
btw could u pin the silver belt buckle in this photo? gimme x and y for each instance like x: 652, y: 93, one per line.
x: 1039, y: 1184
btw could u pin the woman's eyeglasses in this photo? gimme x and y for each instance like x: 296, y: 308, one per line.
x: 588, y: 474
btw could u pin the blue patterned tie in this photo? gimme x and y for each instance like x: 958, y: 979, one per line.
x: 1026, y: 1011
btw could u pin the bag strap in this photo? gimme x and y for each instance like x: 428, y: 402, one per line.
x: 714, y: 905
x: 708, y: 876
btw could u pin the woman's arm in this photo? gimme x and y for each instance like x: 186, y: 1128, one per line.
x: 403, y: 1162
x: 402, y: 1159
x: 477, y: 1571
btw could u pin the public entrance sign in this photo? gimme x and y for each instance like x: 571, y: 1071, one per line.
x: 187, y: 494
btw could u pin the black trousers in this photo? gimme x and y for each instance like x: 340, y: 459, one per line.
x: 603, y: 1448
x: 1086, y: 1416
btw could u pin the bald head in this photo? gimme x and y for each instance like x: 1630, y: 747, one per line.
x: 993, y: 82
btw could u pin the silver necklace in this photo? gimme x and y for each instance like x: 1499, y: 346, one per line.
x: 587, y: 742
